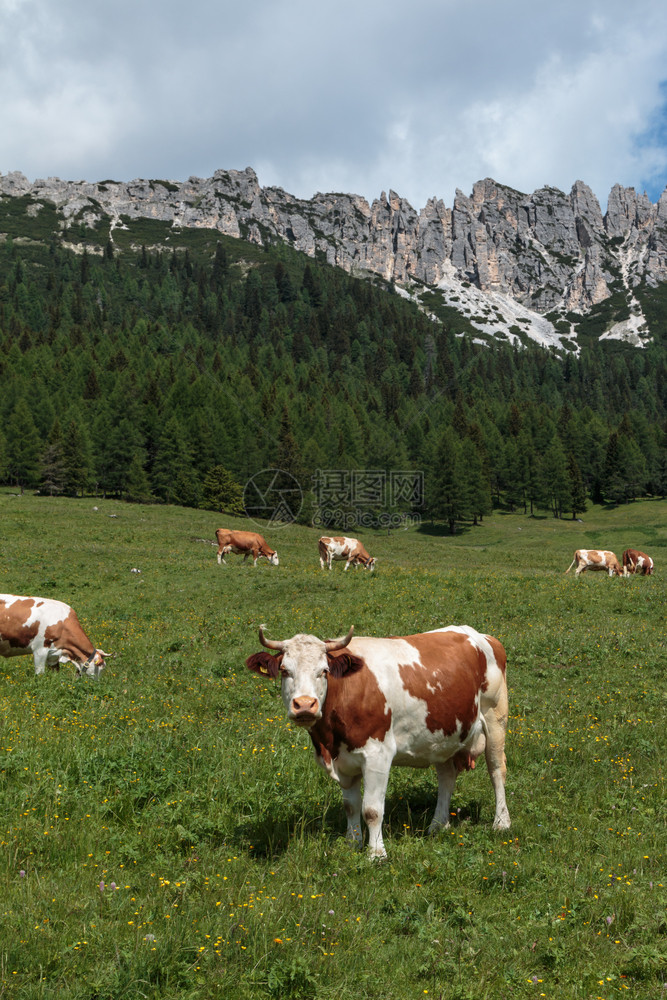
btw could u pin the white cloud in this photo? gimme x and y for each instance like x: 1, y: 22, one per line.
x: 340, y: 95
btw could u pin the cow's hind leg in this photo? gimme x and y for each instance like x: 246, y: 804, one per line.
x: 352, y: 803
x: 446, y: 781
x: 496, y: 762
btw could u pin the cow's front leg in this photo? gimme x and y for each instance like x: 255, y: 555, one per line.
x: 376, y: 777
x: 446, y: 781
x: 351, y: 788
x: 41, y: 658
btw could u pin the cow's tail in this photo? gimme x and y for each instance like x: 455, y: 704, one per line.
x: 571, y: 565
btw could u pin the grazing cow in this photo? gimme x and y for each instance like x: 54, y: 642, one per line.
x: 51, y: 631
x: 351, y: 549
x: 248, y: 543
x: 637, y: 562
x: 437, y: 698
x: 595, y: 559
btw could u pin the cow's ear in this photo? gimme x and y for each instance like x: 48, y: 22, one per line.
x: 264, y: 663
x: 343, y: 664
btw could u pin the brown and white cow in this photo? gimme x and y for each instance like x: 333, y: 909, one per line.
x: 437, y: 698
x: 246, y: 543
x: 340, y: 547
x: 50, y: 630
x: 595, y: 559
x: 637, y: 562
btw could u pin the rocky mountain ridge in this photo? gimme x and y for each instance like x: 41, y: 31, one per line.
x: 513, y: 264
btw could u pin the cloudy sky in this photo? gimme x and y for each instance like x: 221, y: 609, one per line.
x: 358, y: 96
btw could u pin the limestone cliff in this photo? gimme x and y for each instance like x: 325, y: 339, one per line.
x: 525, y: 256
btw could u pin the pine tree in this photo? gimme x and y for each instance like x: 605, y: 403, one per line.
x: 449, y: 496
x: 577, y: 491
x: 633, y: 464
x: 173, y: 477
x: 477, y: 488
x: 288, y: 456
x: 557, y: 478
x: 123, y: 442
x: 514, y: 478
x: 614, y: 474
x: 3, y: 456
x: 221, y: 492
x: 53, y: 470
x: 76, y: 459
x: 284, y: 284
x: 536, y: 489
x: 137, y: 484
x: 220, y: 267
x: 23, y: 447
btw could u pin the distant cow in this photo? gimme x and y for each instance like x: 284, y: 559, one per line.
x: 351, y: 549
x: 48, y: 629
x: 637, y: 562
x: 437, y: 698
x: 595, y: 559
x: 246, y: 543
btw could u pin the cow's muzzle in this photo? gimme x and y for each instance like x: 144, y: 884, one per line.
x: 304, y: 710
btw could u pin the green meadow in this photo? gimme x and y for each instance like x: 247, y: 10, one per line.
x: 165, y: 833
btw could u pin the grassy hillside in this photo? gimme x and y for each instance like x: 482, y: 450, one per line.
x: 177, y: 779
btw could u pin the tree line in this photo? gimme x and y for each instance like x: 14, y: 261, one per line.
x: 175, y: 374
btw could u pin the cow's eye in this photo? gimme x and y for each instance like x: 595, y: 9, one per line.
x: 286, y: 673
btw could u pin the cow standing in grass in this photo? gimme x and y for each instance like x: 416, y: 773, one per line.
x: 245, y: 543
x: 436, y: 698
x: 635, y: 561
x: 340, y: 547
x: 595, y: 559
x: 50, y: 630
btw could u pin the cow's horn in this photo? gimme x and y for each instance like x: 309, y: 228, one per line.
x: 269, y: 643
x: 335, y: 644
x: 107, y: 656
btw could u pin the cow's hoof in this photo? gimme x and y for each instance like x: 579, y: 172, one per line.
x: 377, y: 854
x: 502, y: 823
x: 436, y: 827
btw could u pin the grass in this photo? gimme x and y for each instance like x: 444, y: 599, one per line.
x: 165, y: 833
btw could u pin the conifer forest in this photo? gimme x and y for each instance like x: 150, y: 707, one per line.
x: 170, y: 366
